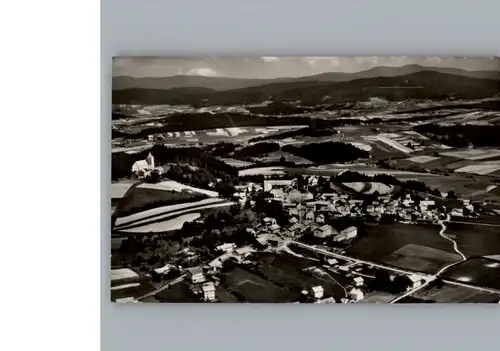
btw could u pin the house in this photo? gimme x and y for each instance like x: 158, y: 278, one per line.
x: 323, y: 231
x: 165, y: 269
x: 196, y: 275
x: 228, y: 247
x: 278, y: 194
x: 294, y: 196
x: 458, y: 212
x: 307, y: 196
x: 274, y: 228
x: 320, y: 219
x: 359, y: 281
x: 356, y: 294
x: 343, y: 268
x: 294, y: 211
x: 332, y: 261
x: 293, y: 220
x: 272, y: 184
x: 416, y: 280
x: 310, y: 216
x: 244, y: 252
x: 269, y: 221
x: 427, y: 203
x: 317, y: 292
x: 370, y: 208
x: 350, y: 232
x: 208, y: 291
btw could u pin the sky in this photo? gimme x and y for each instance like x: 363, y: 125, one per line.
x: 277, y: 67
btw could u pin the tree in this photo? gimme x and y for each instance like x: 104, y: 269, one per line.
x: 451, y: 195
x: 401, y: 283
x: 282, y: 159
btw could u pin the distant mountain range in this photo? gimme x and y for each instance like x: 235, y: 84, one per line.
x: 419, y: 85
x: 220, y: 84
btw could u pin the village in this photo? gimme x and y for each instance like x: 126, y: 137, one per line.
x: 308, y: 236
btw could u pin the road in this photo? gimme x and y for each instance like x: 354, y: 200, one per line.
x: 442, y: 270
x: 161, y: 288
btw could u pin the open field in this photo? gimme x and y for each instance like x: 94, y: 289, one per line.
x: 172, y: 185
x: 169, y: 220
x: 252, y: 288
x: 475, y: 239
x: 370, y: 187
x: 163, y: 210
x: 455, y: 294
x: 163, y: 226
x: 378, y: 297
x: 262, y: 170
x: 477, y: 271
x: 422, y: 159
x: 179, y: 292
x: 146, y: 200
x: 135, y: 291
x: 120, y: 188
x: 276, y: 156
x: 473, y: 154
x: 235, y: 163
x: 479, y: 169
x: 380, y: 244
x: 420, y: 258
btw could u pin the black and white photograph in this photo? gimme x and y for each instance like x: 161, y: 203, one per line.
x: 305, y: 180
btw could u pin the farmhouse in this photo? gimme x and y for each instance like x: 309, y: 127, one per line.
x: 358, y: 281
x: 317, y: 292
x: 244, y: 252
x: 323, y: 231
x: 416, y: 280
x: 269, y: 221
x: 332, y: 261
x: 356, y: 294
x: 272, y: 184
x: 310, y: 216
x: 320, y: 219
x: 208, y: 291
x: 196, y: 275
x: 227, y: 247
x: 350, y: 232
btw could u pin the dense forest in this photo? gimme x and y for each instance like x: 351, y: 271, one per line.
x: 329, y: 152
x: 462, y: 135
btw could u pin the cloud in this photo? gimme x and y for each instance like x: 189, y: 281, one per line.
x: 207, y: 72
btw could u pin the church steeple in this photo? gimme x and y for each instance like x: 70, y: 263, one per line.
x: 151, y: 161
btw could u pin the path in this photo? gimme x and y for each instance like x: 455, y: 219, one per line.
x: 442, y: 270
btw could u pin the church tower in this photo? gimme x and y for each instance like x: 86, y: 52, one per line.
x: 151, y: 161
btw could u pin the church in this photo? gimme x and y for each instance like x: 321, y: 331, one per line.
x: 143, y: 168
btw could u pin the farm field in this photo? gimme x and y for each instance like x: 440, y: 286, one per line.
x: 422, y: 159
x: 141, y: 199
x: 477, y: 271
x: 262, y: 170
x: 172, y: 185
x: 381, y: 244
x: 378, y: 297
x: 251, y: 288
x: 480, y: 169
x: 370, y: 187
x: 420, y: 258
x: 179, y: 292
x: 473, y: 154
x: 169, y: 221
x: 120, y: 188
x: 163, y: 210
x: 475, y: 239
x: 449, y: 293
x: 162, y: 226
x: 135, y: 291
x: 276, y: 156
x: 235, y: 163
